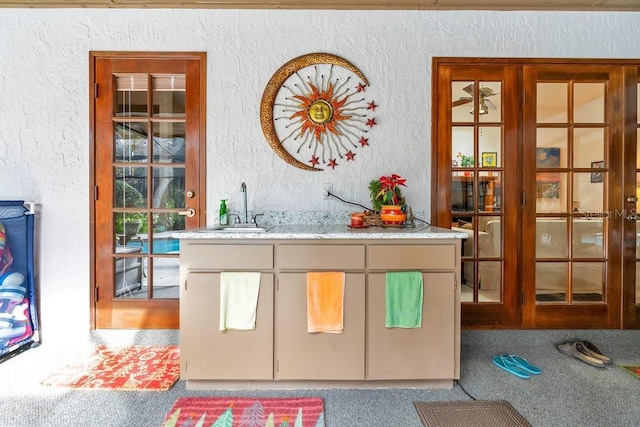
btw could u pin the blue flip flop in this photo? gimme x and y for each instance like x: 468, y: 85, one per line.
x: 504, y: 362
x: 524, y: 364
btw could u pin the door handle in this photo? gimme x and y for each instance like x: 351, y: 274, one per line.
x: 189, y: 212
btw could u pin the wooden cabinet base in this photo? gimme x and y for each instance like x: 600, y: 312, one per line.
x: 281, y: 353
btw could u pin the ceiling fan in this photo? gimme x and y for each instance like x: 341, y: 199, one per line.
x: 484, y: 104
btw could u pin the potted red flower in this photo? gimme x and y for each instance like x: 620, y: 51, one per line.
x: 386, y: 197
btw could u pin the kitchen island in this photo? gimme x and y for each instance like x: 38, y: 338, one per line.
x: 279, y: 352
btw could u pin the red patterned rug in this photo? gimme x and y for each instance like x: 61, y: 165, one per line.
x: 632, y: 369
x: 246, y: 411
x: 129, y: 368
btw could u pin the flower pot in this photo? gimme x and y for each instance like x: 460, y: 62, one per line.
x: 357, y: 219
x: 392, y: 215
x: 131, y: 228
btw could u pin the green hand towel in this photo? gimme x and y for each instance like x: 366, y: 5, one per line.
x: 403, y: 299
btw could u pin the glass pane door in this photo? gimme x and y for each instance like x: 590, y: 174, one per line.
x: 149, y: 132
x: 573, y: 155
x: 477, y: 131
x: 149, y: 192
x: 571, y: 177
x: 477, y: 149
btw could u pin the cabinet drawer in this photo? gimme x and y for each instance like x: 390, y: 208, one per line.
x: 321, y: 257
x: 415, y: 257
x: 242, y: 257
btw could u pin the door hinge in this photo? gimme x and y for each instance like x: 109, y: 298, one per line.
x: 95, y: 193
x: 95, y: 91
x: 95, y: 294
x: 455, y: 284
x: 185, y: 285
x: 522, y: 297
x: 524, y: 198
x: 277, y: 285
x: 277, y: 366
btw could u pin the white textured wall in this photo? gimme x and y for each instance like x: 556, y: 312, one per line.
x: 44, y: 111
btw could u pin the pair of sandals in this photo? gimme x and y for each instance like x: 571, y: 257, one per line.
x: 585, y: 352
x: 516, y: 365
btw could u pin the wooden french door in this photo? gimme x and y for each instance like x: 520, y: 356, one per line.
x: 148, y: 115
x: 477, y: 177
x: 553, y: 225
x: 573, y: 151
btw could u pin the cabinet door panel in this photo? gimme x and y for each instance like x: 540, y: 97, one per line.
x: 318, y: 356
x: 427, y: 352
x: 208, y: 353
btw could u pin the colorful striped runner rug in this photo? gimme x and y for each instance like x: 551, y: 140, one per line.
x: 246, y: 411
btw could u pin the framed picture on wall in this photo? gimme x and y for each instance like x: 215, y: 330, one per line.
x: 489, y: 159
x: 548, y: 157
x: 548, y: 190
x: 548, y: 183
x: 597, y: 176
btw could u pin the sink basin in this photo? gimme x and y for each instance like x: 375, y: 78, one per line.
x: 237, y: 228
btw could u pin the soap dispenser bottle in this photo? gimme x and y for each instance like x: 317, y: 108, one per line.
x: 224, y: 218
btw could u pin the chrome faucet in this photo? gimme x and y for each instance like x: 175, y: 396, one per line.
x: 243, y: 189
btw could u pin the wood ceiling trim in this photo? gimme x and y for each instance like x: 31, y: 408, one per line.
x: 583, y: 5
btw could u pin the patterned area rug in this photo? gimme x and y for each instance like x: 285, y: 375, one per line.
x: 632, y: 369
x: 477, y: 413
x: 246, y: 411
x: 129, y: 368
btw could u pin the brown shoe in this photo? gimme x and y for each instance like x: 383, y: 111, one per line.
x: 593, y: 351
x: 578, y: 351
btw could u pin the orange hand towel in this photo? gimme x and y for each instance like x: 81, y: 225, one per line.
x: 325, y: 302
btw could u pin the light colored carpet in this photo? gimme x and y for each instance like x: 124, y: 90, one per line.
x: 568, y: 391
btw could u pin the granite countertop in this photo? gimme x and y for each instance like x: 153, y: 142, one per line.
x: 326, y: 232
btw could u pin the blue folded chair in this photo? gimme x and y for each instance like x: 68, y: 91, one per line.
x: 19, y: 329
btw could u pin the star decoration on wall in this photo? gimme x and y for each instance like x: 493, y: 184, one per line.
x: 319, y: 112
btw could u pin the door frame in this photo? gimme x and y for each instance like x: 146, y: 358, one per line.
x: 167, y: 311
x: 630, y: 307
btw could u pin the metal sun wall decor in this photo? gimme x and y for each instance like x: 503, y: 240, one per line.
x: 314, y: 111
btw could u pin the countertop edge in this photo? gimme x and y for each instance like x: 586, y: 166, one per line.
x: 325, y: 232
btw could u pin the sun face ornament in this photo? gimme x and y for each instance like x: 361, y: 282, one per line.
x: 314, y: 111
